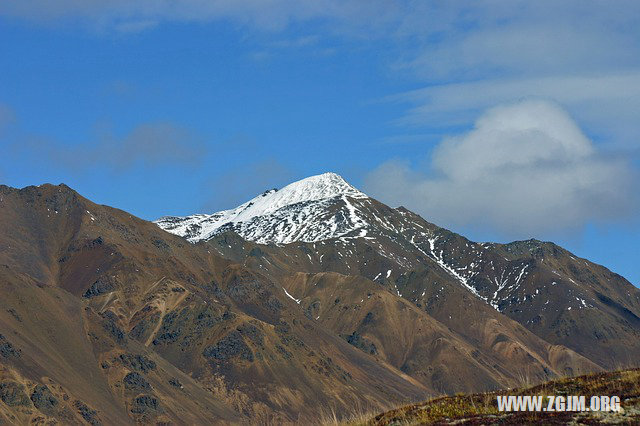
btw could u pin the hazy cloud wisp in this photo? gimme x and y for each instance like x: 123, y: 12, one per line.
x: 525, y: 170
x: 127, y: 16
x: 149, y: 144
x: 7, y: 117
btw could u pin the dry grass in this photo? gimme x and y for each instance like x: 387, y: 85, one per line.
x: 482, y: 407
x: 358, y: 415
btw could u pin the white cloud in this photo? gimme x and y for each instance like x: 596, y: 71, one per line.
x: 584, y: 55
x: 527, y: 46
x: 607, y: 103
x: 525, y: 170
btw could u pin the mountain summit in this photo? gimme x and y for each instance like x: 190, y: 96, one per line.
x: 312, y: 209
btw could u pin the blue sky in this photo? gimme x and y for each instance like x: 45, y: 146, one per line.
x: 500, y: 120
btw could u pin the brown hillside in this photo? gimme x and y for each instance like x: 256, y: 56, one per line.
x: 124, y: 322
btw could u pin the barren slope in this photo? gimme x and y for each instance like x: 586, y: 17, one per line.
x: 132, y: 323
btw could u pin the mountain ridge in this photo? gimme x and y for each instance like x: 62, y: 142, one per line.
x: 565, y: 297
x: 129, y: 324
x: 270, y: 227
x: 237, y: 329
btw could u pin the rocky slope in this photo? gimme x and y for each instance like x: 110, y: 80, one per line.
x: 114, y: 321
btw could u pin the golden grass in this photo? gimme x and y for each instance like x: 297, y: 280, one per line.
x: 625, y: 384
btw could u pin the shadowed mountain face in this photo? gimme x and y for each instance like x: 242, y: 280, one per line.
x: 562, y: 299
x: 106, y: 318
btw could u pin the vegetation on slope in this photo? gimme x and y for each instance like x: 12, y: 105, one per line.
x: 482, y: 408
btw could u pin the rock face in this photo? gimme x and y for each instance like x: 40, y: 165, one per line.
x: 7, y: 350
x: 13, y: 394
x: 302, y: 300
x: 43, y: 399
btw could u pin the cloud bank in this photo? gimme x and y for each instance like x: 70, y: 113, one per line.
x: 608, y: 103
x: 524, y: 170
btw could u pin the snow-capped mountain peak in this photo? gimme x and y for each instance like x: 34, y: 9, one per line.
x: 297, y: 212
x: 314, y: 188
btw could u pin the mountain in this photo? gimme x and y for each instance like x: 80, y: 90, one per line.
x: 306, y: 300
x: 560, y: 298
x: 107, y: 319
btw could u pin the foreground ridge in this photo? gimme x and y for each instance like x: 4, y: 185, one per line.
x: 482, y: 408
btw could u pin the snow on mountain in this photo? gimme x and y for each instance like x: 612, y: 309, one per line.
x: 312, y: 209
x: 325, y: 207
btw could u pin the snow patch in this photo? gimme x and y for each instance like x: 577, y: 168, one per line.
x: 290, y: 296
